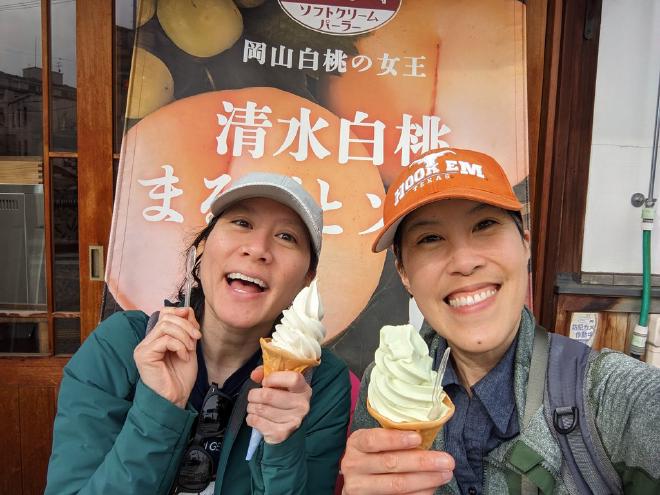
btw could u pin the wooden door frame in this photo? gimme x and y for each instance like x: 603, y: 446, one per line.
x: 30, y: 384
x: 560, y: 172
x: 94, y: 45
x: 536, y: 29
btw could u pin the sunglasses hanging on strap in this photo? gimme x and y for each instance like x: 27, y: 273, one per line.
x: 197, y: 468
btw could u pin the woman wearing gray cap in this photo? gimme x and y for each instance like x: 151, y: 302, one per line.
x: 127, y: 418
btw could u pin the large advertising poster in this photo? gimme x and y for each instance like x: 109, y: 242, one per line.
x: 340, y: 95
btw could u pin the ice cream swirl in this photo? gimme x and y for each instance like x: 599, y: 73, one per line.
x: 301, y: 331
x: 402, y: 380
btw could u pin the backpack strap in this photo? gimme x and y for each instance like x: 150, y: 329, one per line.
x: 537, y: 372
x: 566, y: 414
x: 535, y: 389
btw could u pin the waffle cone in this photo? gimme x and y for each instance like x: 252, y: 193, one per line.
x: 427, y: 429
x: 276, y: 359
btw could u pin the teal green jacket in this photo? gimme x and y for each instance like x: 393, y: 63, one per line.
x: 624, y: 402
x: 114, y: 435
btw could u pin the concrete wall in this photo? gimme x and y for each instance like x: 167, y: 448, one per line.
x: 624, y: 117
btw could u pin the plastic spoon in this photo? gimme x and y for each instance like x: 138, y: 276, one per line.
x: 190, y: 265
x: 437, y: 403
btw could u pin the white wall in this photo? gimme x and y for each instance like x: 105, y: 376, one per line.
x: 624, y: 117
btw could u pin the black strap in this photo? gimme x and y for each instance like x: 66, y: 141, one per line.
x: 153, y: 319
x: 567, y: 364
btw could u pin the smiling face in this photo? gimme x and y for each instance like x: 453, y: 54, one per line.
x: 465, y: 263
x: 255, y: 261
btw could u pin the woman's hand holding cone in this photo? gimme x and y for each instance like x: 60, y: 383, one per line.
x: 381, y: 461
x: 278, y: 408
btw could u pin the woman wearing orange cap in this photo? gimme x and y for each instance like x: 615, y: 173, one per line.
x: 461, y: 251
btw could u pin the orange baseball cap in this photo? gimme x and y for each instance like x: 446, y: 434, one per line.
x: 446, y: 173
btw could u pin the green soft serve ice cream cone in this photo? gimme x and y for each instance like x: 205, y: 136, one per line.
x: 400, y: 394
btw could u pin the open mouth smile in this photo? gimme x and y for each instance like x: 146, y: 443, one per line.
x: 463, y: 299
x: 244, y: 283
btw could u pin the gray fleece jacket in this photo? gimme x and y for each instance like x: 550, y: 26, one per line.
x: 624, y: 402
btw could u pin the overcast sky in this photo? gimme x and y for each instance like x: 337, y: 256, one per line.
x: 20, y: 32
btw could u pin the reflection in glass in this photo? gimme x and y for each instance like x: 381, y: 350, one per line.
x: 66, y: 278
x: 124, y: 38
x: 63, y: 76
x: 22, y: 263
x: 24, y: 335
x: 20, y: 80
x: 67, y: 335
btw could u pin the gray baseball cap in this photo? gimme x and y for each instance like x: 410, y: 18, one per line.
x: 279, y: 188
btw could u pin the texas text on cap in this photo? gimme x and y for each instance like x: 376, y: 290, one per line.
x: 446, y: 173
x: 279, y: 188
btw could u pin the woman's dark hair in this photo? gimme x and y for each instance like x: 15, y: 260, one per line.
x: 197, y: 292
x: 516, y: 216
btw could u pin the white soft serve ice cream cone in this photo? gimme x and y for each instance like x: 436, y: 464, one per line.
x: 296, y: 342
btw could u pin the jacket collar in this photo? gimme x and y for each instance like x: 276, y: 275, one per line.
x: 536, y: 434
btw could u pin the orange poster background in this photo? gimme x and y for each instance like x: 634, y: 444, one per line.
x: 458, y: 79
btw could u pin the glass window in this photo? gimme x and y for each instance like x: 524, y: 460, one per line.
x: 66, y: 262
x: 20, y: 61
x: 22, y: 263
x: 23, y: 335
x: 63, y: 126
x: 67, y: 335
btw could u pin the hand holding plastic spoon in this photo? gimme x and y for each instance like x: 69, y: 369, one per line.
x: 166, y: 357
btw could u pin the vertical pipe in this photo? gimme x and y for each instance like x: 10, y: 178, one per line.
x: 654, y: 152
